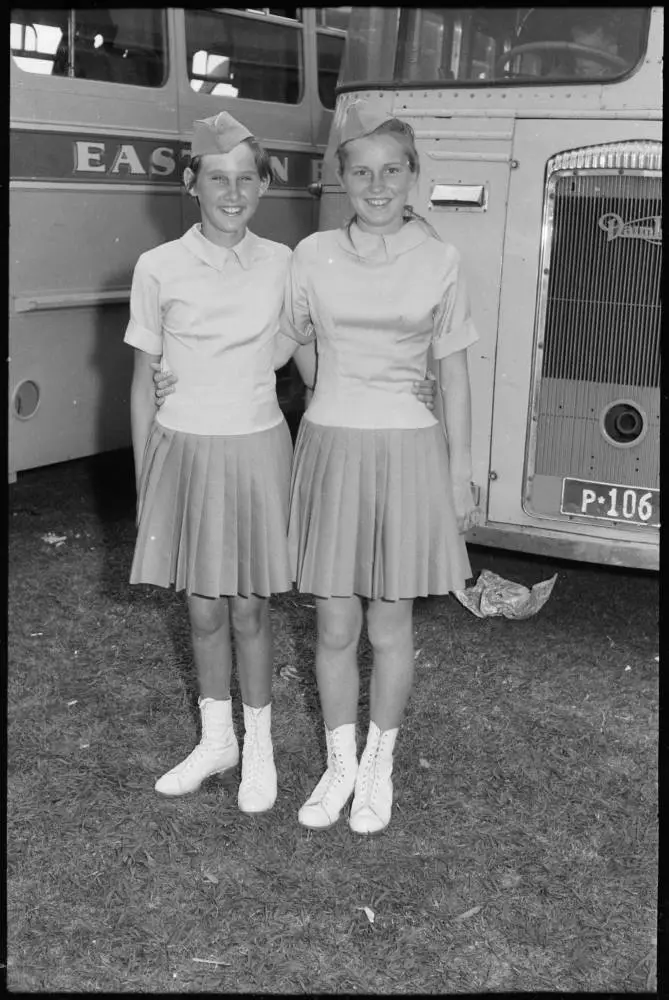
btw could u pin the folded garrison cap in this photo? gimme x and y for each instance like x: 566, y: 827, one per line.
x: 359, y: 120
x: 354, y: 121
x: 218, y: 134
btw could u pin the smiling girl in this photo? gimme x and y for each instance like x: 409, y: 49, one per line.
x: 378, y: 498
x: 213, y: 467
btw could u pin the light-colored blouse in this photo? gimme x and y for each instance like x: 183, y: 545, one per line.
x: 213, y: 313
x: 376, y: 304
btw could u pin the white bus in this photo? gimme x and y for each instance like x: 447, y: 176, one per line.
x: 539, y: 131
x: 102, y: 104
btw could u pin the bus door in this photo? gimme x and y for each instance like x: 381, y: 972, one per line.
x: 580, y: 304
x: 92, y: 185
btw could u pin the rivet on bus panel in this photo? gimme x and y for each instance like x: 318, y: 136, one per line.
x: 492, y: 476
x: 514, y: 164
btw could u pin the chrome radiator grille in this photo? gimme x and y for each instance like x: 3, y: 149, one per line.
x: 599, y: 312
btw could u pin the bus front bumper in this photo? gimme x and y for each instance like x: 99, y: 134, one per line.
x: 633, y: 554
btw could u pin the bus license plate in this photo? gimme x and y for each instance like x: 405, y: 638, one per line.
x: 608, y: 502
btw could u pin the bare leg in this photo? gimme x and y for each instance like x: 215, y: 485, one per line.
x: 339, y: 625
x: 210, y: 629
x: 390, y: 630
x: 217, y: 750
x: 252, y: 631
x: 389, y: 625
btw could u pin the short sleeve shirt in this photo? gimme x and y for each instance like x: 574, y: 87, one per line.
x: 376, y: 305
x: 213, y: 314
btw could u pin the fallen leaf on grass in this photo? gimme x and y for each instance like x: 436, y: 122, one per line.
x: 289, y: 673
x: 211, y: 961
x: 368, y: 913
x: 210, y: 877
x: 423, y: 762
x: 468, y: 913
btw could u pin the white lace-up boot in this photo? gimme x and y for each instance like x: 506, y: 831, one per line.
x: 373, y: 799
x: 216, y: 752
x: 323, y: 807
x: 257, y: 791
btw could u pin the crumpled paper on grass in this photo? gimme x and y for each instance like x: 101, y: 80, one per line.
x: 492, y: 595
x: 51, y: 538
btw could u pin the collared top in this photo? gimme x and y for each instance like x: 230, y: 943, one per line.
x: 376, y: 305
x: 213, y: 314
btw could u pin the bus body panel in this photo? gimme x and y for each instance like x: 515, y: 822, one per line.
x: 78, y: 351
x: 83, y: 206
x: 95, y: 181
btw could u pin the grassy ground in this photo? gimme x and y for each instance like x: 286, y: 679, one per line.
x: 522, y: 851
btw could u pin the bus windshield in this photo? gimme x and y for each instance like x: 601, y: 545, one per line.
x: 501, y: 46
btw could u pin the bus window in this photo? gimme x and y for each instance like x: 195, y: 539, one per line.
x: 116, y: 45
x: 249, y: 54
x: 332, y: 23
x: 496, y: 46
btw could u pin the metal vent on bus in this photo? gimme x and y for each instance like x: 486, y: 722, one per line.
x: 471, y: 197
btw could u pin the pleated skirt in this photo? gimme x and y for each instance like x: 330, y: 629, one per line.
x: 213, y: 512
x: 371, y: 513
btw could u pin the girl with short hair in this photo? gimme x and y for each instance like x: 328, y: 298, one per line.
x: 213, y: 465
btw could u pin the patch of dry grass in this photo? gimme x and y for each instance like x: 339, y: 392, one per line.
x: 522, y: 851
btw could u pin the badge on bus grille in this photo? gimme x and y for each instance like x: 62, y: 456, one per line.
x: 611, y: 502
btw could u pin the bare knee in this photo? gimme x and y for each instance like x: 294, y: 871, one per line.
x: 249, y: 616
x: 207, y: 615
x: 390, y: 625
x: 339, y: 623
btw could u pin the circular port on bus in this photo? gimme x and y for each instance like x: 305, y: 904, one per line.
x: 623, y: 423
x: 26, y: 399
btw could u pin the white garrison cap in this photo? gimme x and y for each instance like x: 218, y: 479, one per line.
x: 218, y: 134
x: 360, y: 120
x: 357, y: 120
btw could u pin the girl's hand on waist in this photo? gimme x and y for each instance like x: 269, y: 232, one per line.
x: 163, y: 383
x: 426, y: 390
